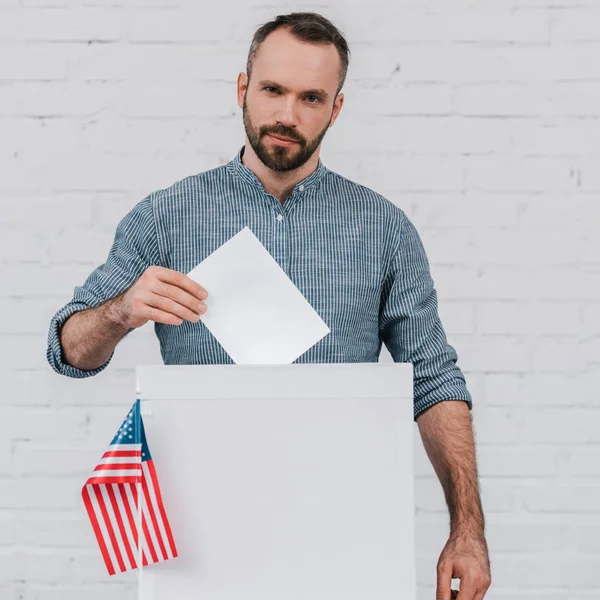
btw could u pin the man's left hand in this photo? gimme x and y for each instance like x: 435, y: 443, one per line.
x: 464, y: 557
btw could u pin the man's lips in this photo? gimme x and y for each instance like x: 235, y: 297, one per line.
x: 283, y: 139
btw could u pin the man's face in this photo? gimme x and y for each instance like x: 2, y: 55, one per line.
x: 291, y: 94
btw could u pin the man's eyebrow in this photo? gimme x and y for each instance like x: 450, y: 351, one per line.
x: 317, y: 92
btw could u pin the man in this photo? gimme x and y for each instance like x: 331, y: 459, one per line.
x: 353, y: 254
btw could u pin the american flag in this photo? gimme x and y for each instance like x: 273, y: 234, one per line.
x: 125, y: 474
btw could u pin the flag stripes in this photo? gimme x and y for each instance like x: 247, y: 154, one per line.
x: 123, y: 484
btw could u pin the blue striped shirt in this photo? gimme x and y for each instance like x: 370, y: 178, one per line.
x: 353, y: 254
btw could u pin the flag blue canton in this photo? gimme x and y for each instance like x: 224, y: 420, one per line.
x: 132, y: 431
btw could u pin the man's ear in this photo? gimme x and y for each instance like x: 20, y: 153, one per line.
x: 337, y: 106
x: 242, y: 86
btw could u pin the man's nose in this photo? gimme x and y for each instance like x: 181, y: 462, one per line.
x: 286, y: 114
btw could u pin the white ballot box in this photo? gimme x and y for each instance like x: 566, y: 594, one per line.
x: 283, y: 482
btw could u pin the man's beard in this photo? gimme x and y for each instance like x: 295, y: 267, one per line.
x: 280, y: 158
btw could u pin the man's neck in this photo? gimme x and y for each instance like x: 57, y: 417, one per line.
x: 279, y: 184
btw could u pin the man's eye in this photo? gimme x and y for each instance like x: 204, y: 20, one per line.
x: 268, y: 88
x: 316, y: 98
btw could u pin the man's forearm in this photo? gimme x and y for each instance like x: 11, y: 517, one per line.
x: 88, y: 337
x: 447, y: 435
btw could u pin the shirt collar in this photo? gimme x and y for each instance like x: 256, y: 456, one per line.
x: 243, y: 172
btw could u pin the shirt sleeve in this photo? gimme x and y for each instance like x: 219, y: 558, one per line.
x: 411, y: 328
x: 134, y: 249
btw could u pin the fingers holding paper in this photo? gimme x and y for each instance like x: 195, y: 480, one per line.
x: 164, y: 296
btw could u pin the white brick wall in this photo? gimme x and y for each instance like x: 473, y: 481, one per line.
x: 480, y: 118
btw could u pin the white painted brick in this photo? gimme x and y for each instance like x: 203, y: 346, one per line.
x: 82, y: 245
x: 504, y: 354
x: 172, y: 63
x: 58, y: 529
x: 82, y: 173
x: 431, y: 536
x: 190, y: 24
x: 522, y: 318
x: 568, y: 138
x: 6, y: 457
x: 521, y: 536
x: 510, y: 175
x: 411, y: 99
x: 540, y: 389
x: 414, y: 173
x: 560, y: 425
x: 495, y: 425
x: 591, y: 318
x: 193, y: 99
x: 532, y: 247
x: 43, y: 566
x: 45, y: 3
x: 589, y: 175
x: 444, y: 135
x: 19, y: 246
x: 590, y: 247
x: 575, y: 25
x: 518, y: 461
x: 545, y: 594
x: 55, y: 99
x: 51, y: 459
x: 73, y: 24
x: 509, y: 100
x: 40, y: 492
x: 562, y: 355
x: 582, y: 461
x: 449, y: 246
x: 89, y: 567
x: 562, y: 498
x: 527, y: 571
x: 579, y: 99
x: 575, y: 283
x: 28, y: 315
x: 41, y: 424
x: 147, y: 137
x: 454, y: 210
x: 452, y: 24
x: 9, y: 531
x: 44, y: 388
x: 489, y: 282
x: 101, y: 591
x: 545, y: 210
x: 514, y: 63
x: 37, y: 62
x: 46, y: 213
x: 19, y: 350
x: 458, y: 318
x: 30, y: 140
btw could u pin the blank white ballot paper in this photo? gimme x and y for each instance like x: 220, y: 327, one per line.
x: 283, y: 482
x: 254, y: 310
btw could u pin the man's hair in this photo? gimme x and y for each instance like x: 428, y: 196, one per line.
x: 307, y: 27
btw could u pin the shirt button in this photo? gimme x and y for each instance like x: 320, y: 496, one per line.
x: 280, y: 217
x: 301, y: 188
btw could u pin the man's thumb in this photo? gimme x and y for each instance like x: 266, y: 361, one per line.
x: 444, y: 581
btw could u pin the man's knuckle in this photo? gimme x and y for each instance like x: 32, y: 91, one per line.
x: 442, y: 565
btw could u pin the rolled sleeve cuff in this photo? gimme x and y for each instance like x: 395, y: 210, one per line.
x: 449, y: 391
x: 54, y: 352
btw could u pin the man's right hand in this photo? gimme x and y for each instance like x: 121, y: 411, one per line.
x: 161, y: 295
